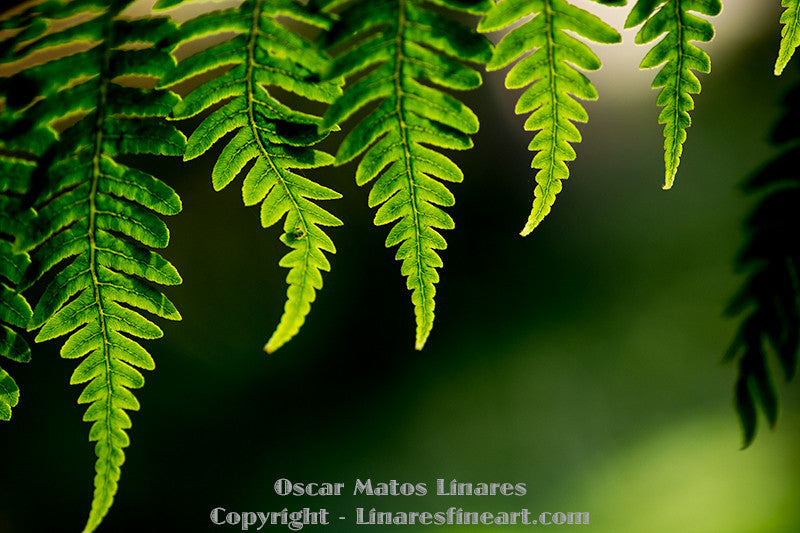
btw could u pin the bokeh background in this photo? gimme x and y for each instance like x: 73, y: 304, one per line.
x: 583, y: 360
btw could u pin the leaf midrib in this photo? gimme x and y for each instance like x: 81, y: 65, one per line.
x: 93, y: 264
x: 673, y: 140
x: 547, y: 11
x: 251, y: 101
x: 399, y: 95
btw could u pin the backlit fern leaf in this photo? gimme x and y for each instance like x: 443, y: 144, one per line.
x: 790, y: 34
x: 97, y: 220
x: 274, y: 137
x: 408, y: 50
x: 679, y: 58
x: 768, y: 301
x: 553, y: 81
x: 14, y: 309
x: 30, y: 21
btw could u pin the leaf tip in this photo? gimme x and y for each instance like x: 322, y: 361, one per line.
x: 423, y: 332
x: 669, y: 179
x: 530, y: 225
x: 277, y: 340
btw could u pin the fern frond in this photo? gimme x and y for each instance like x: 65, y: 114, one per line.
x: 14, y: 309
x: 553, y: 80
x: 97, y: 218
x: 409, y: 50
x: 790, y: 34
x: 768, y: 302
x: 679, y: 58
x: 271, y: 135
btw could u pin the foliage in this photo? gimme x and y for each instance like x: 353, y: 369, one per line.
x: 409, y: 50
x: 768, y: 300
x: 790, y: 34
x: 78, y: 225
x: 553, y: 81
x: 677, y: 57
x: 96, y: 218
x: 14, y: 309
x: 263, y: 53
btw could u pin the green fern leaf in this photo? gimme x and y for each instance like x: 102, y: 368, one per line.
x: 31, y: 22
x: 97, y: 218
x: 274, y: 137
x: 679, y: 58
x: 407, y: 48
x: 769, y: 300
x: 14, y: 309
x: 552, y: 79
x: 790, y: 34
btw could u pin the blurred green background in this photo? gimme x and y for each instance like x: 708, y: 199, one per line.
x: 583, y: 360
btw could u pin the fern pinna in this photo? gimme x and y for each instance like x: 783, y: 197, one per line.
x: 14, y: 309
x: 97, y: 220
x: 407, y: 50
x: 679, y: 58
x: 269, y: 133
x: 790, y: 34
x: 553, y: 79
x: 769, y: 300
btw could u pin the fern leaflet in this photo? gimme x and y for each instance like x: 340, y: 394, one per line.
x: 554, y: 82
x: 790, y: 34
x: 262, y: 53
x: 404, y: 45
x: 14, y: 309
x: 97, y: 217
x: 769, y: 299
x: 679, y: 58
